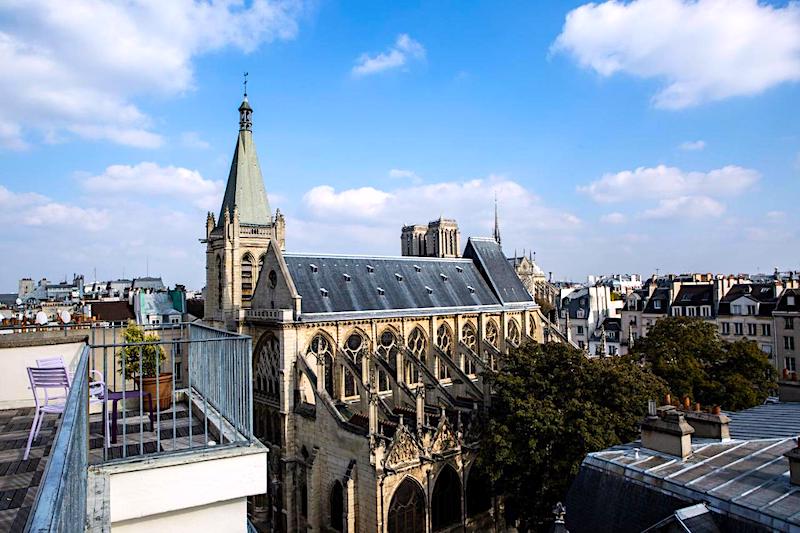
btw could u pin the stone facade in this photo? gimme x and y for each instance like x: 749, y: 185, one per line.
x: 440, y: 238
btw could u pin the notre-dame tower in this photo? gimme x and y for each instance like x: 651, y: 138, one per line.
x: 237, y: 240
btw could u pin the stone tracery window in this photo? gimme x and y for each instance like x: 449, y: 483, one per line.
x: 267, y: 362
x: 355, y: 347
x: 470, y: 340
x: 513, y: 332
x: 321, y: 349
x: 418, y: 346
x: 444, y: 341
x: 531, y: 327
x: 247, y: 276
x: 407, y: 508
x: 387, y: 350
x: 492, y: 335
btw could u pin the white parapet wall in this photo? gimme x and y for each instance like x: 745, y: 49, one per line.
x: 15, y: 358
x: 195, y: 491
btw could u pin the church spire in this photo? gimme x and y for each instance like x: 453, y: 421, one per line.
x: 496, y: 233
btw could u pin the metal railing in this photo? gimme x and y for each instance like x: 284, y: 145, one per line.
x: 60, y: 504
x: 197, y: 393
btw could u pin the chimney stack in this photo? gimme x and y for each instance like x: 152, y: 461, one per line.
x: 794, y: 463
x: 712, y: 425
x: 667, y: 431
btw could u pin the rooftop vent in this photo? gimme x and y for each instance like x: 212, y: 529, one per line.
x: 347, y: 277
x: 381, y: 291
x: 323, y: 292
x: 460, y: 269
x: 417, y: 268
x: 471, y: 289
x: 443, y: 276
x: 370, y: 268
x: 398, y: 276
x: 313, y: 267
x: 430, y: 291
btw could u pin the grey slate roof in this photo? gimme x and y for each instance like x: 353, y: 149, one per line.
x: 766, y: 421
x: 492, y: 262
x: 369, y: 275
x: 245, y: 188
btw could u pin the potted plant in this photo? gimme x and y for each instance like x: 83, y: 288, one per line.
x: 145, y: 346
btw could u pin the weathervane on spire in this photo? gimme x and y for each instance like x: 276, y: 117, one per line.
x: 245, y: 83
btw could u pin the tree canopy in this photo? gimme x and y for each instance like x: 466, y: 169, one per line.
x: 551, y: 406
x: 694, y: 361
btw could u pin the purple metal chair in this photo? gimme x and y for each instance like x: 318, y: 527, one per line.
x: 97, y: 388
x: 46, y: 379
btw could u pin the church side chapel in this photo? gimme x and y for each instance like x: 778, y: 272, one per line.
x: 367, y: 371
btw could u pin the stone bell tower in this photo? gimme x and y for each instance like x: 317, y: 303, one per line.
x: 237, y: 241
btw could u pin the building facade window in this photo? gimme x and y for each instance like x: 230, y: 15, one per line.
x: 766, y: 330
x: 736, y: 309
x: 444, y: 341
x: 791, y: 364
x: 737, y: 328
x: 726, y: 328
x: 247, y: 277
x: 788, y: 342
x: 751, y: 329
x: 751, y: 309
x: 579, y: 330
x: 788, y: 322
x: 354, y: 348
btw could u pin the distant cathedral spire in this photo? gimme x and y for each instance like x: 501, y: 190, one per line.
x: 496, y: 233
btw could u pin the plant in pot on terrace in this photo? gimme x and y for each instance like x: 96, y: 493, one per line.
x: 141, y: 358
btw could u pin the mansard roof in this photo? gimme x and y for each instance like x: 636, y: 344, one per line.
x: 245, y: 188
x: 342, y: 284
x: 492, y: 262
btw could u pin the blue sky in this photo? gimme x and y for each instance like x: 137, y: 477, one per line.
x: 617, y: 137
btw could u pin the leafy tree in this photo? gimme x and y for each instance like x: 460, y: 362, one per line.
x: 694, y: 361
x: 551, y: 406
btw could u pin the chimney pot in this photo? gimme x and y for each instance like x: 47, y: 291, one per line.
x: 716, y: 410
x: 686, y: 402
x: 667, y: 399
x: 697, y: 406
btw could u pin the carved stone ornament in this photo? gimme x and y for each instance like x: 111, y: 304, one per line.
x: 444, y: 439
x: 404, y: 448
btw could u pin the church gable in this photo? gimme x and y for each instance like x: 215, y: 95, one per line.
x: 275, y: 288
x: 404, y: 449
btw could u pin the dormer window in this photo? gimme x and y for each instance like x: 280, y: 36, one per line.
x: 459, y: 269
x: 443, y: 276
x: 370, y: 269
x: 430, y: 291
x: 471, y: 289
x: 417, y: 268
x: 657, y: 304
x: 313, y: 267
x: 398, y: 277
x: 347, y: 277
x: 324, y: 292
x: 580, y: 313
x: 790, y: 299
x: 381, y: 291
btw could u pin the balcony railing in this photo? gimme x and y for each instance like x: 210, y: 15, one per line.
x: 60, y: 504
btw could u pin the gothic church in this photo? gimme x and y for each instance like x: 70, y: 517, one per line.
x: 368, y: 385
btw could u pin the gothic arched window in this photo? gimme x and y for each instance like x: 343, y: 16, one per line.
x: 355, y: 347
x: 418, y: 346
x: 479, y: 491
x: 470, y: 340
x: 320, y: 348
x: 267, y: 363
x: 387, y: 350
x: 531, y: 327
x: 492, y: 335
x: 219, y: 282
x: 513, y: 332
x: 247, y: 276
x: 407, y: 508
x: 444, y: 341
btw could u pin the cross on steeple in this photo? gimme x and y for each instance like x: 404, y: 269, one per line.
x: 245, y: 83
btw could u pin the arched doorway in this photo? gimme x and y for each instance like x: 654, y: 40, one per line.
x: 337, y: 506
x: 446, y: 503
x: 407, y: 509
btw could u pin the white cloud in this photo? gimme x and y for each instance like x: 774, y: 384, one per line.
x: 776, y: 215
x: 404, y: 50
x: 78, y: 66
x: 613, y: 218
x: 410, y: 175
x: 669, y: 182
x: 366, y: 219
x: 191, y: 139
x: 692, y: 146
x: 364, y: 202
x: 33, y: 209
x: 703, y: 50
x: 686, y: 207
x: 147, y: 179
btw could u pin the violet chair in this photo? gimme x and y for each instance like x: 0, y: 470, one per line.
x: 97, y: 388
x: 46, y: 379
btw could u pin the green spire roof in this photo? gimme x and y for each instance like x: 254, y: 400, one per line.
x: 245, y: 188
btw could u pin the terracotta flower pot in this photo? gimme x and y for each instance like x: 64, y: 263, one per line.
x: 164, y: 392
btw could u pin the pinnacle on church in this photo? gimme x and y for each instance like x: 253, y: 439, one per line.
x: 245, y: 189
x: 496, y: 233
